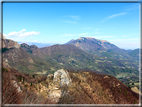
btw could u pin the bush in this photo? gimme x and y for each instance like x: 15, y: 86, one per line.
x: 9, y: 91
x: 30, y: 97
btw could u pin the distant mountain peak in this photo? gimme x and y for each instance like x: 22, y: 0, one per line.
x: 91, y: 38
x: 91, y: 44
x: 81, y: 37
x: 34, y: 46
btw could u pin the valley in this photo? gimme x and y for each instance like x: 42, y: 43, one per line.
x: 87, y: 55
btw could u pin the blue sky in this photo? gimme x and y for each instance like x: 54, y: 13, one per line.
x: 117, y: 23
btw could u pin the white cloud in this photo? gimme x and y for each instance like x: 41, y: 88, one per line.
x: 35, y: 40
x: 84, y: 34
x: 119, y: 14
x: 131, y: 34
x: 21, y: 34
x: 115, y: 15
x: 73, y: 17
x: 101, y: 37
x: 132, y: 39
x: 96, y: 29
x: 124, y: 36
x: 132, y: 7
x: 126, y: 44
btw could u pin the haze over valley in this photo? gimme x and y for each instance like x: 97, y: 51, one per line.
x: 70, y: 53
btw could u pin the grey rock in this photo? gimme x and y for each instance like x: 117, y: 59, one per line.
x: 61, y: 78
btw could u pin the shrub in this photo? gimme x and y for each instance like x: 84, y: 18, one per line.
x: 9, y: 91
x: 120, y: 90
x: 30, y: 97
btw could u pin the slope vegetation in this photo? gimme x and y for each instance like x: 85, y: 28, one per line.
x: 85, y: 87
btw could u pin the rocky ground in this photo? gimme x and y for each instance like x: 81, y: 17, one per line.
x: 68, y: 87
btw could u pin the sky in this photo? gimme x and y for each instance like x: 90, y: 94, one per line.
x: 118, y: 23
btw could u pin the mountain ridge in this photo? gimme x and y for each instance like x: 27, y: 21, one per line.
x: 49, y: 59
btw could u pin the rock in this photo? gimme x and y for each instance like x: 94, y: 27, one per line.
x: 7, y: 43
x: 50, y: 76
x: 135, y: 89
x: 61, y: 78
x: 106, y: 77
x: 55, y: 95
x: 16, y: 85
x: 17, y: 45
x: 5, y: 63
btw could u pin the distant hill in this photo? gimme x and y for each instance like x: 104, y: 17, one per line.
x: 135, y: 53
x: 91, y: 44
x: 26, y: 58
x: 107, y: 59
x: 39, y: 45
x: 104, y: 49
x: 99, y: 47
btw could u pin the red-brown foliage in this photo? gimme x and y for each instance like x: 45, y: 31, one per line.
x: 10, y: 94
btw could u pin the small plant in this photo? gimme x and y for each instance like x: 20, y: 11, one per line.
x: 31, y: 83
x: 4, y: 70
x: 23, y: 80
x: 33, y: 76
x: 120, y: 90
x: 125, y: 93
x: 20, y: 78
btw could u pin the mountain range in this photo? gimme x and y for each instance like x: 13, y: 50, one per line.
x: 85, y: 53
x: 39, y: 45
x: 96, y: 71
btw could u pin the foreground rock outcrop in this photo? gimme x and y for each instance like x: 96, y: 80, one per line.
x: 61, y: 80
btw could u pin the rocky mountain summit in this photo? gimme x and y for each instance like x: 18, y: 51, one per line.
x: 91, y: 44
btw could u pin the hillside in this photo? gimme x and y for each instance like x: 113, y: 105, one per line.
x: 102, y: 48
x: 31, y: 59
x: 112, y: 56
x: 74, y: 58
x: 135, y: 53
x: 24, y: 61
x: 65, y: 87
